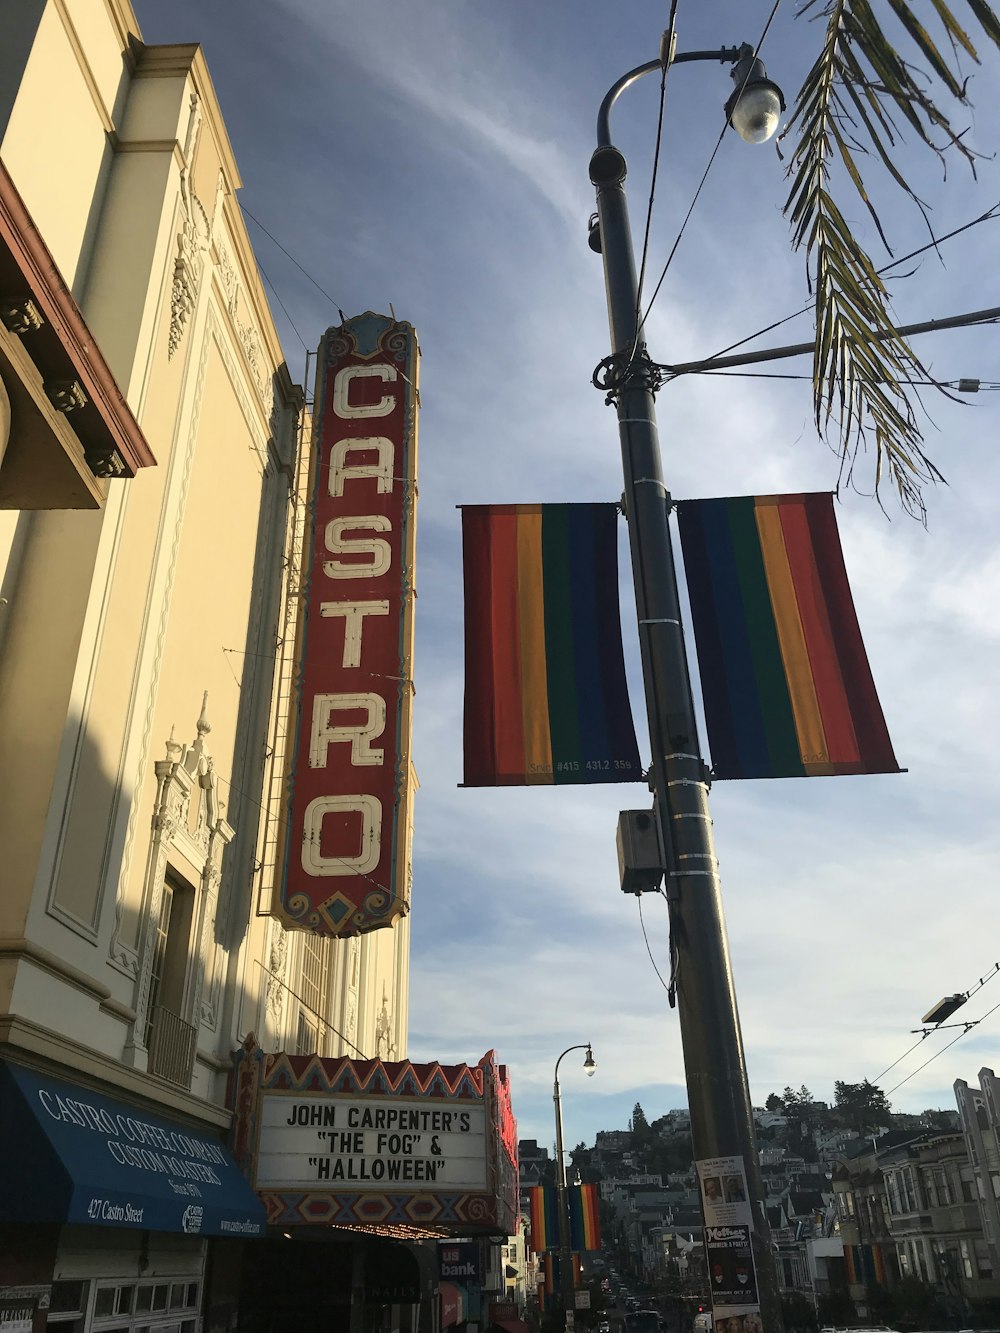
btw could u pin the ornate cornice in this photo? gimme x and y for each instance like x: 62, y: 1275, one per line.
x: 62, y: 346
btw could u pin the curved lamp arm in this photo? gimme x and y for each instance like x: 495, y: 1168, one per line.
x: 725, y: 55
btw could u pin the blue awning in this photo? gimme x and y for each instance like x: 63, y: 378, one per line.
x: 68, y: 1154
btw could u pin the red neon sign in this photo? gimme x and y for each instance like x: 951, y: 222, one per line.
x: 346, y: 839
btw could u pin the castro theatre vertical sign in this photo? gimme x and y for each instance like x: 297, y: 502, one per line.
x: 348, y: 817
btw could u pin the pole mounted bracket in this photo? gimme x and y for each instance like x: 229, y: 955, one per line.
x: 618, y: 373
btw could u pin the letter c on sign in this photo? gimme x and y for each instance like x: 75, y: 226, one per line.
x: 370, y: 850
x: 342, y: 387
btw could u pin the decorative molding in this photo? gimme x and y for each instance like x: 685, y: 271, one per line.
x: 385, y: 1045
x: 115, y: 1007
x: 275, y: 992
x: 20, y: 315
x: 186, y: 774
x: 247, y: 331
x: 64, y: 347
x: 65, y: 395
x: 20, y: 948
x: 193, y: 240
x: 237, y: 379
x: 178, y: 500
x: 61, y: 1056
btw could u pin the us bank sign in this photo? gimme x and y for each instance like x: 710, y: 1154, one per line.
x: 346, y: 834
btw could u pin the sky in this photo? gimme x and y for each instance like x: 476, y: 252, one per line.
x: 433, y: 156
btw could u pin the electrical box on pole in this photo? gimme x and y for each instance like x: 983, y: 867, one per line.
x: 640, y: 854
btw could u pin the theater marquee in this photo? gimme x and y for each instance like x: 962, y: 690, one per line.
x: 372, y: 1143
x: 346, y: 831
x: 387, y: 1145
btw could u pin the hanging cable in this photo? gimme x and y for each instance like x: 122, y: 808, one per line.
x: 968, y: 1028
x: 280, y: 302
x: 896, y: 1062
x: 302, y: 270
x: 701, y: 183
x: 668, y: 40
x: 963, y: 385
x: 927, y: 1031
x: 648, y: 949
x: 990, y: 215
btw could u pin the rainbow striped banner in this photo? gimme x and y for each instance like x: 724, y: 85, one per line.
x: 787, y: 688
x: 545, y: 695
x: 550, y: 1286
x: 584, y: 1218
x: 543, y: 1201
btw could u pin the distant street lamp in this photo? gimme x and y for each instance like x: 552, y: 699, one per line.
x: 718, y: 1091
x: 566, y: 1286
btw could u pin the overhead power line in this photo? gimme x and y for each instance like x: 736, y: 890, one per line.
x: 286, y: 253
x: 973, y: 317
x: 966, y: 1026
x: 704, y: 178
x: 991, y: 215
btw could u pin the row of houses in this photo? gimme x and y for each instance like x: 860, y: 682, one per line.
x: 911, y: 1203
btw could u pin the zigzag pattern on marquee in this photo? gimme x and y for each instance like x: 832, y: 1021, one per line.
x: 397, y: 1078
x: 380, y: 1209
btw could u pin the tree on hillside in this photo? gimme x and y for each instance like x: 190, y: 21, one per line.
x: 774, y: 1102
x: 861, y: 1106
x: 800, y: 1104
x: 878, y: 72
x: 642, y: 1135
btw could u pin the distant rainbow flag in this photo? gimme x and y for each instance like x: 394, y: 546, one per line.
x: 786, y: 684
x: 550, y: 1284
x: 544, y: 1206
x: 546, y: 701
x: 584, y: 1218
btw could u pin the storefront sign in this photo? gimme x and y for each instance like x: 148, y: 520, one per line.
x: 350, y: 784
x: 17, y: 1316
x: 460, y: 1262
x: 69, y: 1154
x: 370, y: 1143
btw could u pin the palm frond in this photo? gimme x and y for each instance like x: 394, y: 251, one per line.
x: 859, y: 95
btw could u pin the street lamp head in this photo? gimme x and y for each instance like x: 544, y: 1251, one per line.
x: 589, y: 1063
x: 756, y: 103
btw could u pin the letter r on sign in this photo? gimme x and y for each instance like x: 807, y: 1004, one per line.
x: 357, y: 734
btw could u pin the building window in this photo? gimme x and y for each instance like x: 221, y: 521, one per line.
x: 68, y: 1306
x: 164, y: 1305
x: 170, y: 948
x: 313, y: 987
x: 969, y: 1191
x: 984, y: 1268
x: 169, y: 1038
x: 966, y: 1252
x: 305, y: 1035
x: 909, y: 1190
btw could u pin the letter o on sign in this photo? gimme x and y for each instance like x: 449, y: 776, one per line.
x: 366, y: 859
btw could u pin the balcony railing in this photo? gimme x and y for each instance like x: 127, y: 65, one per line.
x: 171, y: 1047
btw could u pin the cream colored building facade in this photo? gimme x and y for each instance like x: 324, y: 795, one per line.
x: 143, y: 609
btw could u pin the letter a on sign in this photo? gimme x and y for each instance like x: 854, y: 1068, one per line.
x: 345, y: 826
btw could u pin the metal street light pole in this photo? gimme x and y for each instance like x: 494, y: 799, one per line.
x: 718, y: 1091
x: 567, y: 1289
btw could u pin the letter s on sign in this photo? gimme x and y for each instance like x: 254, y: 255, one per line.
x: 376, y: 548
x: 342, y: 386
x: 370, y: 810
